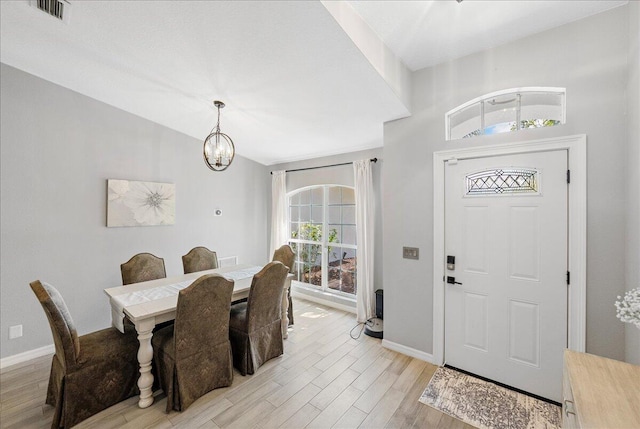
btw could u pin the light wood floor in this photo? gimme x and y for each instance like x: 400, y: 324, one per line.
x: 325, y: 379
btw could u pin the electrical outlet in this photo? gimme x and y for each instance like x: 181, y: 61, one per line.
x: 410, y: 253
x: 15, y: 332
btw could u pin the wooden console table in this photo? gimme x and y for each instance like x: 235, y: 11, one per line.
x: 599, y: 392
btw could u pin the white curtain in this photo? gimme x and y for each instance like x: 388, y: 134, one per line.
x: 278, y: 211
x: 365, y: 230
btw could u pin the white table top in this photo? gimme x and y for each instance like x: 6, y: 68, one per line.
x: 167, y: 300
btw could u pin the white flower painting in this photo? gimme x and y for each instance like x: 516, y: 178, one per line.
x: 140, y: 203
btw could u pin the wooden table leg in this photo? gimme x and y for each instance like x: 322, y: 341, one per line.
x: 285, y: 308
x: 145, y: 357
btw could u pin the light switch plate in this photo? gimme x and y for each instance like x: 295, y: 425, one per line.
x: 410, y: 253
x: 15, y: 331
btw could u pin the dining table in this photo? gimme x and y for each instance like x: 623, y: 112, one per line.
x: 150, y: 303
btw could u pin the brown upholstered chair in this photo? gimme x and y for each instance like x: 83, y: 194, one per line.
x: 141, y: 268
x: 194, y: 355
x: 199, y: 259
x: 255, y: 328
x: 285, y: 255
x: 89, y: 373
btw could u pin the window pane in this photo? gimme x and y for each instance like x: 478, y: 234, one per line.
x: 305, y: 197
x: 348, y: 234
x: 294, y: 212
x: 540, y: 110
x: 317, y: 195
x: 294, y: 200
x: 306, y: 268
x: 317, y: 214
x: 293, y: 227
x: 335, y: 233
x: 348, y: 196
x: 349, y: 215
x: 342, y: 270
x: 305, y: 213
x: 334, y: 214
x: 500, y: 114
x: 335, y: 195
x: 466, y: 122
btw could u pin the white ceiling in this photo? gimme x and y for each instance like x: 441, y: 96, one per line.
x: 295, y: 85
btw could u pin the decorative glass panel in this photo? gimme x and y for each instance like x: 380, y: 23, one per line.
x: 503, y: 181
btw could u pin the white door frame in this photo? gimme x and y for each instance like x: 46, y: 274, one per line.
x: 576, y: 147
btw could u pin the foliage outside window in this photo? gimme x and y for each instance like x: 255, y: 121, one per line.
x: 327, y: 263
x: 507, y: 111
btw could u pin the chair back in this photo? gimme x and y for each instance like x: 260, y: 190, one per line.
x: 265, y: 296
x: 285, y: 255
x: 199, y: 259
x: 65, y: 335
x: 202, y: 315
x: 141, y: 268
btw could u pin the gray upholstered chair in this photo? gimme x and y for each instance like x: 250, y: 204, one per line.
x: 141, y: 268
x: 285, y: 255
x: 199, y: 259
x: 255, y: 328
x: 89, y: 373
x: 194, y: 355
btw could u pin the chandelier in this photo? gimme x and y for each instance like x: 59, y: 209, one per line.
x: 218, y: 147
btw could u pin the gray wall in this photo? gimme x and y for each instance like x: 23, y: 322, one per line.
x: 633, y: 176
x: 589, y: 58
x: 58, y: 148
x: 342, y: 175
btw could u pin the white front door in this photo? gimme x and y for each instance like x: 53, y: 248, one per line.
x: 506, y: 225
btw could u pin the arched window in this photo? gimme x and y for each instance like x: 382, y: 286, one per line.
x: 506, y: 111
x: 322, y: 227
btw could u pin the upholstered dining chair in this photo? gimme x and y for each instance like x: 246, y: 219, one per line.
x: 285, y: 255
x: 141, y: 268
x: 255, y: 327
x: 89, y: 373
x: 199, y: 259
x: 194, y: 355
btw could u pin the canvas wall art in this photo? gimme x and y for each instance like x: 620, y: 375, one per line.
x: 132, y: 203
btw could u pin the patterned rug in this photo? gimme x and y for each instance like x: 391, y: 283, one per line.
x: 487, y: 405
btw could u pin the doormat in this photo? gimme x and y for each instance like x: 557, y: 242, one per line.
x: 487, y: 405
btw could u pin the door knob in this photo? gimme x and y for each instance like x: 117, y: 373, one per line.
x: 452, y: 281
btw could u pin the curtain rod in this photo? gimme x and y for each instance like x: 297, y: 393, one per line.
x: 325, y: 166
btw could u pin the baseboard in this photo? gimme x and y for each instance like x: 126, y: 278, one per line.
x: 320, y: 300
x: 27, y: 356
x: 418, y: 354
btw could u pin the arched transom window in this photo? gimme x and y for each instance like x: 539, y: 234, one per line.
x: 506, y: 111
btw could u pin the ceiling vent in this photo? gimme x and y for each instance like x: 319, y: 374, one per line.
x: 59, y: 9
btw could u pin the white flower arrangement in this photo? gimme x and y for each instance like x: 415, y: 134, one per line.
x: 628, y: 308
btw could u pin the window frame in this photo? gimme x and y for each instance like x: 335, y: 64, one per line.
x: 511, y: 91
x: 324, y: 287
